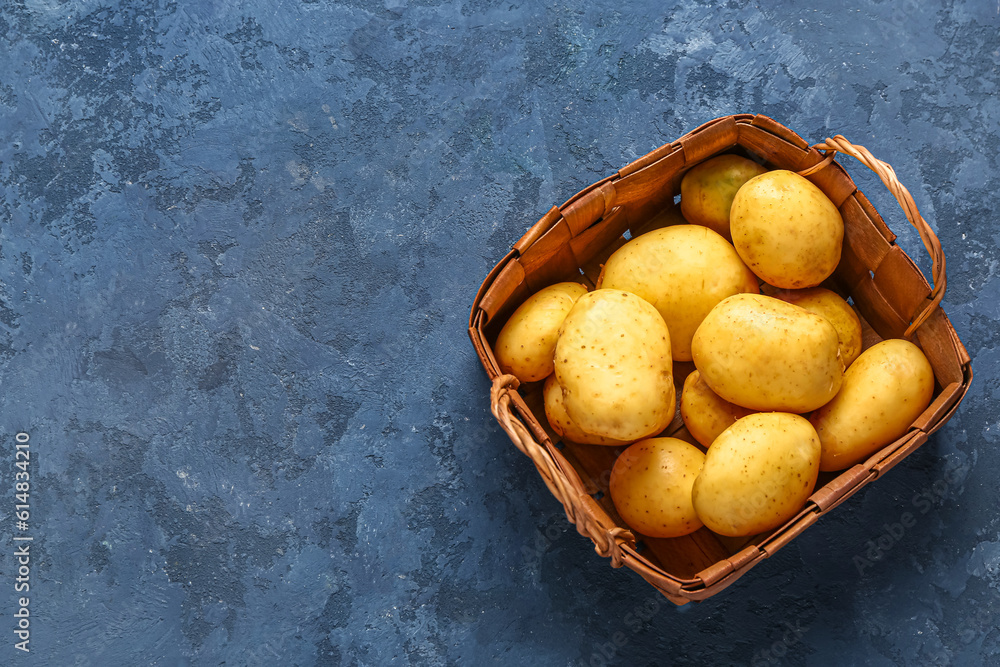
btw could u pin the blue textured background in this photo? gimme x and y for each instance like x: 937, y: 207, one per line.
x: 238, y: 245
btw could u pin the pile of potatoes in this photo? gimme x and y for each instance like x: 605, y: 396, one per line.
x: 781, y: 388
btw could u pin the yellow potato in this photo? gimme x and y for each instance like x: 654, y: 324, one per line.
x: 683, y: 271
x: 614, y: 366
x: 527, y: 342
x: 707, y: 190
x: 764, y: 354
x: 758, y: 474
x: 884, y: 391
x: 561, y: 422
x: 786, y: 229
x: 828, y: 305
x: 651, y: 486
x: 705, y: 414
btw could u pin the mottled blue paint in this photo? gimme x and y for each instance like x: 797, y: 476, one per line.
x: 238, y: 244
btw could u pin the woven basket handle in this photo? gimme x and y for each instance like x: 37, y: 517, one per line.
x: 565, y: 491
x: 885, y: 172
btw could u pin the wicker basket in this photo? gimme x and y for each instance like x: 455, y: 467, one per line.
x: 572, y: 241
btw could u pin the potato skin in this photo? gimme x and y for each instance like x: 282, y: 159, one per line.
x: 786, y: 230
x: 884, y: 391
x: 525, y: 347
x: 708, y: 189
x: 767, y: 355
x: 614, y: 366
x: 830, y: 306
x: 561, y: 422
x: 705, y: 414
x: 758, y: 474
x: 651, y: 486
x: 683, y: 270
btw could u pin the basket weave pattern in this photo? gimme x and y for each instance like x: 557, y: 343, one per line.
x: 572, y: 241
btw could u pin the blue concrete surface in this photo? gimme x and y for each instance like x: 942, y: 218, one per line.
x: 238, y: 244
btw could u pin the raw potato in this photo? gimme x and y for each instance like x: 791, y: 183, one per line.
x: 828, y: 305
x: 705, y: 414
x: 560, y: 420
x: 758, y: 474
x: 767, y: 355
x: 683, y: 271
x: 651, y: 486
x: 707, y: 190
x: 526, y: 345
x: 613, y: 363
x: 884, y: 391
x: 786, y: 230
